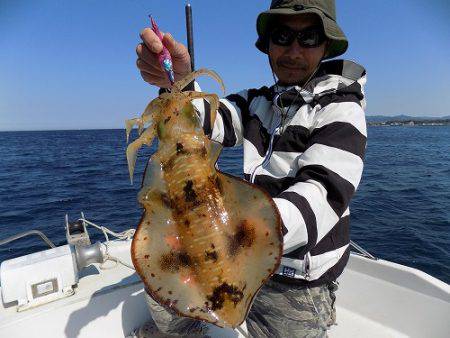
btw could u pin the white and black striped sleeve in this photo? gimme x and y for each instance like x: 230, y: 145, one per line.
x: 228, y: 126
x: 330, y: 171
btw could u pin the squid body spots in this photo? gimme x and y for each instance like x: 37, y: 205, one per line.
x: 244, y: 237
x: 175, y: 260
x: 222, y: 293
x: 180, y: 148
x: 189, y: 193
x: 211, y: 255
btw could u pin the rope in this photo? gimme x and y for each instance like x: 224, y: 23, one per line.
x: 127, y: 234
x: 108, y: 257
x: 124, y: 235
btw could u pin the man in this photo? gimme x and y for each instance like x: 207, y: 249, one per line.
x: 304, y: 141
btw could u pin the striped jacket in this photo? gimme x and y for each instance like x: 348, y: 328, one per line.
x: 306, y: 148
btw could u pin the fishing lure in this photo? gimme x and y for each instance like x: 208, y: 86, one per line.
x: 207, y: 241
x: 164, y: 58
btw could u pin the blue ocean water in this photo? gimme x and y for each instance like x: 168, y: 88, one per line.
x: 401, y: 211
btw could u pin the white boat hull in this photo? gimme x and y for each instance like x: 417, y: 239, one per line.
x: 375, y: 299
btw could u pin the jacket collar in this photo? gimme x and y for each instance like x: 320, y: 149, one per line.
x: 332, y: 76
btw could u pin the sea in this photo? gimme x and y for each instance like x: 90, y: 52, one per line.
x: 400, y: 212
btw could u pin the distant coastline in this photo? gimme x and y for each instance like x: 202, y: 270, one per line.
x: 405, y: 120
x: 372, y: 120
x: 410, y: 123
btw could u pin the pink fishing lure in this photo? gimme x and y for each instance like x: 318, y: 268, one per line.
x: 165, y: 60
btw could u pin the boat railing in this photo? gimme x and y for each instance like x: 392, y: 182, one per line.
x: 361, y: 251
x: 129, y: 234
x: 28, y: 233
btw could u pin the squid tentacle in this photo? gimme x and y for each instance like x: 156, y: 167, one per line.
x: 129, y: 124
x: 180, y: 85
x: 154, y: 107
x: 146, y: 138
x: 152, y: 110
x: 213, y: 101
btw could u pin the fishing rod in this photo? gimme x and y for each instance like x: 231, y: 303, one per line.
x: 190, y: 34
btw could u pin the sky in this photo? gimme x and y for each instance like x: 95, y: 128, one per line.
x: 71, y: 64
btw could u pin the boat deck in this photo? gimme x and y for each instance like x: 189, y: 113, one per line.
x: 375, y: 299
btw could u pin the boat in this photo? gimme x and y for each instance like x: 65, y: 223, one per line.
x: 86, y: 290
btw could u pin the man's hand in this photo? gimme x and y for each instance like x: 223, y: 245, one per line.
x: 148, y: 63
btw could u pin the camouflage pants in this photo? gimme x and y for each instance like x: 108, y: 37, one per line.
x: 282, y: 310
x: 279, y: 310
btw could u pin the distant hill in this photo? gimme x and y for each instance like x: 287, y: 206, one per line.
x: 381, y: 118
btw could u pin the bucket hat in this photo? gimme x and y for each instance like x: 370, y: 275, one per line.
x: 325, y: 9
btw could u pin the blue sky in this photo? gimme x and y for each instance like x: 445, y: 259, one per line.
x: 71, y: 64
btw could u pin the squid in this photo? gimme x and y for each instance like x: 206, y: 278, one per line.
x: 207, y: 241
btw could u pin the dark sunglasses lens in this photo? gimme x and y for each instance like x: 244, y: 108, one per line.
x: 310, y: 38
x: 282, y: 36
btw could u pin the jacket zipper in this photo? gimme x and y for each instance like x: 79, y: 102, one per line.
x: 307, y: 268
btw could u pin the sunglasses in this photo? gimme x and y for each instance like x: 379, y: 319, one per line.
x: 308, y: 38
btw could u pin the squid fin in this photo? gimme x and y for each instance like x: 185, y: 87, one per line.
x: 250, y: 245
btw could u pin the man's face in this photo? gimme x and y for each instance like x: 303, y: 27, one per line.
x: 294, y: 64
